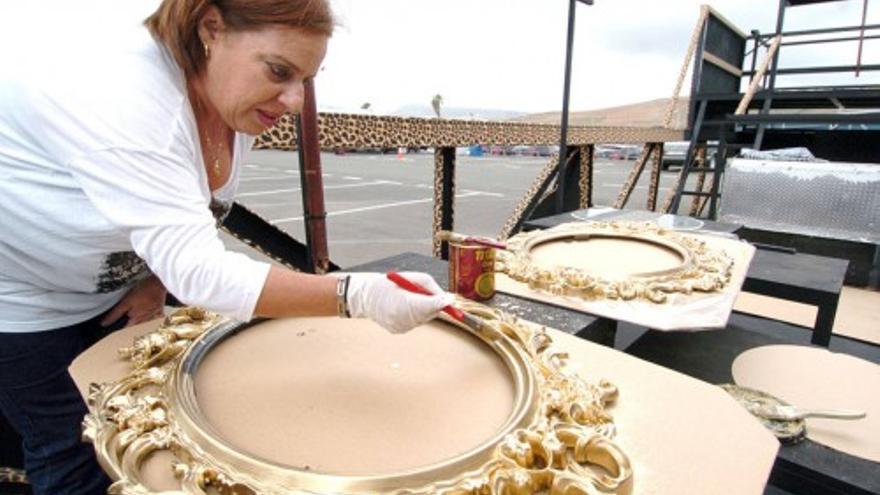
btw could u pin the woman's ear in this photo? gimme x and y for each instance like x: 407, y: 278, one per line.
x: 211, y: 25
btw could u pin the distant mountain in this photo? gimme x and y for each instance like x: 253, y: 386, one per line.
x: 457, y: 113
x: 644, y: 114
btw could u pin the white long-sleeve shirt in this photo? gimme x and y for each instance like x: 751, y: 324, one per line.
x: 102, y: 181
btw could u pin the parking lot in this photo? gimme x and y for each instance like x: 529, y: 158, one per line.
x: 379, y: 205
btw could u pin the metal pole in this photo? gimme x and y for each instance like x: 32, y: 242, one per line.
x: 757, y: 35
x: 780, y: 21
x: 314, y: 213
x: 771, y: 81
x: 563, y: 137
x: 861, y: 37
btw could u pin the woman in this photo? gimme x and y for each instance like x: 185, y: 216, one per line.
x: 110, y: 168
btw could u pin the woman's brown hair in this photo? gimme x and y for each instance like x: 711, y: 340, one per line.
x: 175, y: 22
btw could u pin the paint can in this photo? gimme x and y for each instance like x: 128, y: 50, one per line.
x: 472, y: 271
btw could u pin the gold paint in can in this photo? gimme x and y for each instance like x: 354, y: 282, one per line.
x: 472, y: 271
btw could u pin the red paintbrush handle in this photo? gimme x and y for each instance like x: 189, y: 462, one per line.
x: 405, y: 284
x: 486, y: 242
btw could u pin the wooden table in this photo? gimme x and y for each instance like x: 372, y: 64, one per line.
x: 807, y: 467
x: 804, y: 278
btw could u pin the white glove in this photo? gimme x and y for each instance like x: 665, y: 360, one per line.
x: 373, y: 296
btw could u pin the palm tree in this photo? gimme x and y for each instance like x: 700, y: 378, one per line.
x: 365, y: 106
x: 436, y: 101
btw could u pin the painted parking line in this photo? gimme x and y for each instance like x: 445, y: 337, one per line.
x: 341, y: 186
x: 613, y: 184
x: 259, y: 178
x: 352, y: 177
x: 620, y: 186
x: 483, y: 193
x: 273, y: 177
x: 374, y: 207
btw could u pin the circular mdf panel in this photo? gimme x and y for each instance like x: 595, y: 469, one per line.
x: 612, y: 257
x: 348, y: 398
x: 330, y: 402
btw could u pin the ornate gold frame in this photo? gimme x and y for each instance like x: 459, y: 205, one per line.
x: 558, y: 438
x: 702, y: 268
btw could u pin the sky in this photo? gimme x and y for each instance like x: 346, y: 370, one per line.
x: 510, y: 54
x: 500, y: 54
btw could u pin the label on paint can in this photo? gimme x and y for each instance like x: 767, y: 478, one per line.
x: 472, y: 271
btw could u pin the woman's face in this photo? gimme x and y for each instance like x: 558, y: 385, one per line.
x: 253, y: 77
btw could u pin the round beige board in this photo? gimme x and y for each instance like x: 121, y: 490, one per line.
x: 808, y: 377
x: 612, y: 258
x: 353, y: 399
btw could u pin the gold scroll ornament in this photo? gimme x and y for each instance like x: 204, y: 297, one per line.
x: 557, y: 440
x: 700, y: 268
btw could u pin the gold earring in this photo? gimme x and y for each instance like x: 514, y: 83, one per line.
x: 207, y: 51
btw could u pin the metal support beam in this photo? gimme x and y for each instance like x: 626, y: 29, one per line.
x: 804, y: 32
x: 529, y: 203
x: 672, y: 203
x: 444, y: 197
x: 700, y: 166
x: 656, y: 167
x: 754, y: 55
x: 630, y: 184
x: 719, y: 163
x: 256, y: 232
x: 771, y: 80
x: 585, y: 179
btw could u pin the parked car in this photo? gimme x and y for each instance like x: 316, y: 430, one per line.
x: 617, y: 151
x: 501, y: 150
x: 674, y: 153
x: 522, y: 149
x: 545, y: 150
x: 495, y: 150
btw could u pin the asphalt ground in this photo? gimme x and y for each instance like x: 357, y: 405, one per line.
x: 380, y: 205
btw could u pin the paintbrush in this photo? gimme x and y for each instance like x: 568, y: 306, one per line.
x: 447, y: 235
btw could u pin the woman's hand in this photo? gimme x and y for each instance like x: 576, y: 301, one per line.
x: 372, y: 295
x: 144, y: 302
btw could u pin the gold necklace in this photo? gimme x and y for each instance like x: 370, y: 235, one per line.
x: 216, y: 168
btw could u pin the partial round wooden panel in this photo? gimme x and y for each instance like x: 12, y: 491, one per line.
x: 607, y: 257
x: 813, y: 378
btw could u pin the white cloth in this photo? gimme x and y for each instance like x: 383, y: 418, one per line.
x: 101, y: 176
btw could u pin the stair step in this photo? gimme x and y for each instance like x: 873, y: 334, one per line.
x: 818, y: 118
